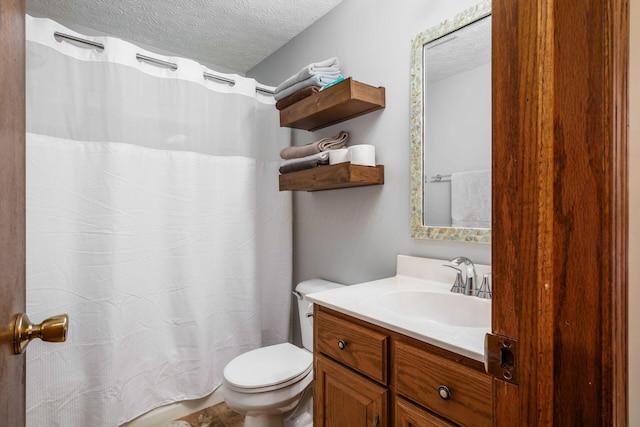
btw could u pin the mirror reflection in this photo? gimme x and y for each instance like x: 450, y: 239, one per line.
x: 451, y: 129
x: 457, y: 133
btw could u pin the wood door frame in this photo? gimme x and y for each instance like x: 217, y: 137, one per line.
x: 12, y: 206
x: 560, y: 209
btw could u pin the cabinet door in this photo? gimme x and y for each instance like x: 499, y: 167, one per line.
x: 410, y: 415
x: 343, y: 398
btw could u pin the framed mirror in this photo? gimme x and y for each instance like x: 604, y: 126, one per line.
x: 451, y: 129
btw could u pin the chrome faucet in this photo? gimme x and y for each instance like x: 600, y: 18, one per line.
x: 471, y: 279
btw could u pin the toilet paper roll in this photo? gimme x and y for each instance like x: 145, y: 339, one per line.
x: 339, y: 155
x: 363, y: 154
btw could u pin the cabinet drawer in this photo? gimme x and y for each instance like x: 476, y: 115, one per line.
x: 419, y: 375
x: 358, y: 347
x: 410, y: 415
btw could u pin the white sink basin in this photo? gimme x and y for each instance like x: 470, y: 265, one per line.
x: 446, y: 308
x: 417, y: 302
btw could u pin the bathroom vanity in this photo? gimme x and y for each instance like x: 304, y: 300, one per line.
x: 367, y: 376
x: 379, y: 362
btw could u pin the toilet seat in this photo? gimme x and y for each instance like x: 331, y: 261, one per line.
x: 268, y: 368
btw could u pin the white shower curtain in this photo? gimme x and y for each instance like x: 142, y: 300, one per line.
x: 154, y: 220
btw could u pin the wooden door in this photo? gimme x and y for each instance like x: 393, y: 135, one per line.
x: 343, y: 398
x: 12, y: 206
x: 560, y: 209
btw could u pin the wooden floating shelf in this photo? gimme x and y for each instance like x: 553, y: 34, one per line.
x: 342, y: 175
x: 342, y: 101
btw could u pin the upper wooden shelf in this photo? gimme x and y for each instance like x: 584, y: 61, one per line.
x: 342, y: 101
x: 342, y: 175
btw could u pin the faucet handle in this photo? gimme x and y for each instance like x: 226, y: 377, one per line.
x: 485, y: 288
x: 458, y: 285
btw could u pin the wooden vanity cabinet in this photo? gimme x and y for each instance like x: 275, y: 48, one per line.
x: 347, y: 399
x: 368, y: 376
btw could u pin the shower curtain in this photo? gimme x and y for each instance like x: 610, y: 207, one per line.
x: 154, y: 220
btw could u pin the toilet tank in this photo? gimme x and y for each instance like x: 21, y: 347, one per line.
x: 305, y: 308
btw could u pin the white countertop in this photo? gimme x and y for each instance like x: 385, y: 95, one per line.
x: 362, y: 301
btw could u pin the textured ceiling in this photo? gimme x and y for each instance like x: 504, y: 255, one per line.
x: 236, y: 34
x: 462, y: 50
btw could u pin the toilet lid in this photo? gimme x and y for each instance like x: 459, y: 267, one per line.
x: 268, y: 366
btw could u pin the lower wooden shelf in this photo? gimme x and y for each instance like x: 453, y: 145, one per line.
x: 342, y: 175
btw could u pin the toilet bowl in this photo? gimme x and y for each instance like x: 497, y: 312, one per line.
x: 272, y: 386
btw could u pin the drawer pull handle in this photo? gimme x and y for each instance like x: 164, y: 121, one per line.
x: 376, y: 421
x: 342, y: 344
x: 444, y: 392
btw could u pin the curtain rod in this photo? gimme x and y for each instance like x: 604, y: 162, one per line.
x: 171, y: 65
x: 209, y: 76
x: 97, y: 45
x: 264, y: 90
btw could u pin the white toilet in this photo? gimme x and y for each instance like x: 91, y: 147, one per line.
x: 272, y: 386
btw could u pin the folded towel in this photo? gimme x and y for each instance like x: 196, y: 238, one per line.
x: 324, y: 144
x: 317, y: 80
x: 471, y: 199
x: 335, y: 82
x: 303, y: 163
x: 297, y: 96
x: 328, y: 66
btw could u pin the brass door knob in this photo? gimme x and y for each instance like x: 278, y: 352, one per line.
x: 53, y: 329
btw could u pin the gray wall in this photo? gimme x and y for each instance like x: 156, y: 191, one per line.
x: 353, y: 235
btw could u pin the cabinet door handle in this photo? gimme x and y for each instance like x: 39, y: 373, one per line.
x: 376, y: 421
x: 342, y: 344
x: 444, y: 392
